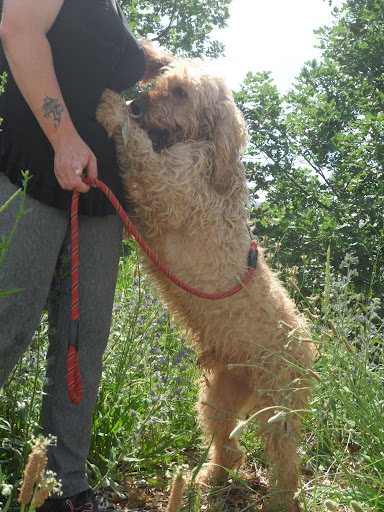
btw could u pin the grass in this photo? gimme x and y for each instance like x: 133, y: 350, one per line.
x: 145, y: 422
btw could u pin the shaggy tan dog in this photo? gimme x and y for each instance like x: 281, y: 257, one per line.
x: 179, y: 147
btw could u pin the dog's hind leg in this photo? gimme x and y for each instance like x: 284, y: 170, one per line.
x: 281, y: 440
x: 224, y: 395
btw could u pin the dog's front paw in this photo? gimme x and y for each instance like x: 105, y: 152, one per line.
x: 109, y: 112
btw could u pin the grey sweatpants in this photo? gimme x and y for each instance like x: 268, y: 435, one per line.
x: 30, y: 265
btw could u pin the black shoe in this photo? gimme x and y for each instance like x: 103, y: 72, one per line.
x: 87, y: 501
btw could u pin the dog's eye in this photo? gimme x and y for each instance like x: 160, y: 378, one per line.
x: 178, y: 92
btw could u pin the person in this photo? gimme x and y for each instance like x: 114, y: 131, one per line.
x: 59, y: 56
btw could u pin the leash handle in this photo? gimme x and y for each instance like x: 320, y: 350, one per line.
x: 74, y: 382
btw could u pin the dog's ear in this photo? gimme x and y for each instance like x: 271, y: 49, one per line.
x: 156, y: 61
x: 228, y: 132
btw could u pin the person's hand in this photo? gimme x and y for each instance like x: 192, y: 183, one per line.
x: 72, y: 156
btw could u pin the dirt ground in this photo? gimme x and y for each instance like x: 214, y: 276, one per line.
x: 233, y: 496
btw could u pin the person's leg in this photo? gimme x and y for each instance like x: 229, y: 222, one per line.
x: 29, y: 264
x: 99, y: 253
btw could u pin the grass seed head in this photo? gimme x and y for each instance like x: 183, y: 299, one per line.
x: 356, y: 507
x: 37, y: 460
x: 331, y: 505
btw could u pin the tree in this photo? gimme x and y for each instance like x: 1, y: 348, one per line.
x: 318, y: 151
x: 182, y: 27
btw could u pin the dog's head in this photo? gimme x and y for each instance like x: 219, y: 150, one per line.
x: 188, y: 103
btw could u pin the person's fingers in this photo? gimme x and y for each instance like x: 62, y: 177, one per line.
x: 78, y: 183
x: 70, y: 162
x: 76, y: 176
x: 80, y: 186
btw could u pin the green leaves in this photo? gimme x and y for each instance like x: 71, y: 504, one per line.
x: 317, y: 153
x: 183, y: 27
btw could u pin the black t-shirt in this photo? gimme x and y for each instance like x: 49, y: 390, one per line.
x: 92, y: 50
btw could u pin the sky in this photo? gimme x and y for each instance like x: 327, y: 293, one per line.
x: 270, y: 35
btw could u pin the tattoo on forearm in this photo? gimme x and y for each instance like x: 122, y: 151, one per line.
x: 52, y: 107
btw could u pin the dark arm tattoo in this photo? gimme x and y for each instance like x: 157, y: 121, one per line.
x: 52, y: 107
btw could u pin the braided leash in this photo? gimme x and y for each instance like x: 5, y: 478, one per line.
x: 73, y: 374
x: 74, y: 382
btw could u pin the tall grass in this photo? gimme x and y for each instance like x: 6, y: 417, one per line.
x: 144, y: 417
x: 144, y: 420
x: 345, y: 430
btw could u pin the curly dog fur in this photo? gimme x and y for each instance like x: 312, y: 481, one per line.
x: 179, y: 147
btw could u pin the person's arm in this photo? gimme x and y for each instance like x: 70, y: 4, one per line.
x: 23, y: 30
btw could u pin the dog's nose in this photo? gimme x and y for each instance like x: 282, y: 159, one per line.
x: 137, y: 107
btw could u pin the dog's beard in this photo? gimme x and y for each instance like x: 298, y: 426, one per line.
x: 161, y: 138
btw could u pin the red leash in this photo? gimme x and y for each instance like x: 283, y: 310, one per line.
x: 74, y: 382
x: 73, y: 374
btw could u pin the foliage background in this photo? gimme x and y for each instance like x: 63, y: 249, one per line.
x: 316, y: 153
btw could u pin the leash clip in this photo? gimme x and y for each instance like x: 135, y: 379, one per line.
x: 252, y: 255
